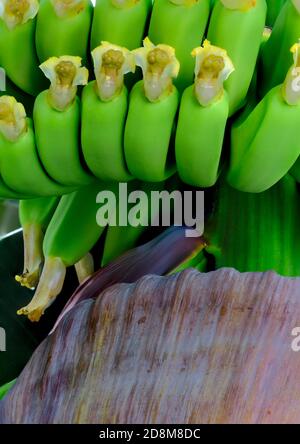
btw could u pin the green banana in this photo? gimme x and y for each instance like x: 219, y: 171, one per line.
x: 122, y: 22
x: 203, y: 111
x: 274, y: 8
x: 151, y: 116
x: 256, y: 232
x: 72, y: 232
x: 34, y: 215
x: 295, y: 170
x: 17, y: 49
x: 266, y: 144
x: 63, y: 27
x: 180, y: 24
x: 275, y: 58
x: 56, y: 118
x: 20, y: 166
x: 237, y: 26
x: 121, y: 238
x: 104, y: 110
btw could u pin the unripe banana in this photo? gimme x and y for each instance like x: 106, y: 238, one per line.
x: 180, y: 24
x: 202, y: 118
x: 17, y: 49
x: 63, y: 27
x: 266, y: 143
x: 104, y: 110
x: 237, y: 26
x: 122, y: 22
x: 34, y: 215
x: 120, y: 239
x: 57, y: 121
x: 275, y: 59
x: 71, y: 234
x: 20, y: 166
x: 153, y: 105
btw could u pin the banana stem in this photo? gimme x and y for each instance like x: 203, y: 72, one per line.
x: 84, y: 268
x: 33, y: 256
x: 49, y: 287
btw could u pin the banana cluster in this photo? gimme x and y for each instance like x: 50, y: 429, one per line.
x: 186, y: 86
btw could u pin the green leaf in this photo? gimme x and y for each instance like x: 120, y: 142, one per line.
x: 21, y: 336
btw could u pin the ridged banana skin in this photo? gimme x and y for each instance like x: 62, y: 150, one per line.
x: 59, y: 36
x: 240, y: 33
x: 182, y: 27
x: 120, y: 239
x: 125, y: 26
x: 256, y: 232
x: 199, y: 139
x: 57, y: 139
x: 102, y: 131
x: 266, y: 145
x: 276, y: 57
x: 73, y: 229
x: 148, y: 133
x: 18, y: 57
x: 21, y: 169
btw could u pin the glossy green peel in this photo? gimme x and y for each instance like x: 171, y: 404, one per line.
x: 239, y: 32
x: 63, y: 28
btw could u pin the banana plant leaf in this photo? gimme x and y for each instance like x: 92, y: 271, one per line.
x: 21, y: 337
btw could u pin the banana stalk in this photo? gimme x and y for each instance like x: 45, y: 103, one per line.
x: 237, y: 26
x: 104, y: 110
x: 265, y: 144
x: 63, y: 27
x: 180, y: 24
x: 203, y: 111
x: 56, y: 117
x: 256, y: 232
x: 72, y: 232
x: 275, y: 59
x: 34, y: 215
x: 17, y: 49
x: 122, y: 22
x: 20, y: 166
x: 151, y: 116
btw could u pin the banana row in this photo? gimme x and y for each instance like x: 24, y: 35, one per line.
x: 167, y: 122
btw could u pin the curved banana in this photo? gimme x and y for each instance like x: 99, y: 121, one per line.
x: 104, y: 110
x: 180, y: 24
x: 266, y: 144
x: 153, y: 105
x: 275, y: 58
x: 56, y: 118
x: 203, y: 115
x: 72, y: 232
x: 63, y: 27
x: 17, y: 49
x: 20, y: 166
x: 122, y: 22
x: 34, y: 215
x: 237, y: 26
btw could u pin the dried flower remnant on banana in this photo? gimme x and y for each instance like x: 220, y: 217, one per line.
x: 65, y: 8
x: 240, y: 5
x: 65, y: 74
x: 111, y: 63
x: 159, y: 66
x: 124, y: 4
x: 18, y: 12
x: 291, y: 85
x: 212, y: 68
x: 12, y: 118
